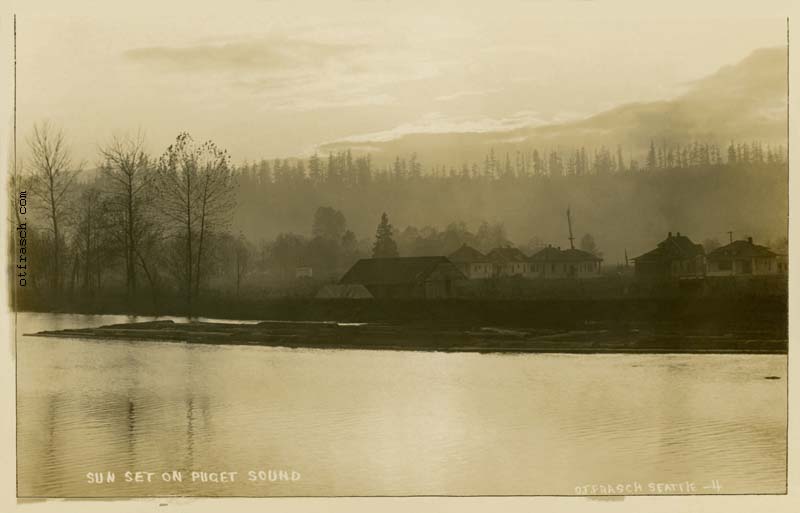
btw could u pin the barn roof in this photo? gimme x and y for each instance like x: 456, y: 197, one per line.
x: 347, y: 291
x: 399, y: 270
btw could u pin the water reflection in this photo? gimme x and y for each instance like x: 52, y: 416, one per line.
x: 389, y: 423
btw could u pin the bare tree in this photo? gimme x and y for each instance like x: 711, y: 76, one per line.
x: 91, y: 242
x: 217, y: 196
x: 196, y: 188
x: 127, y: 169
x: 51, y: 179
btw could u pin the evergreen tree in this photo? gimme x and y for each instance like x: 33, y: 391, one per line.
x: 315, y: 169
x: 385, y: 246
x: 731, y: 154
x: 651, y: 157
x: 397, y: 170
x: 264, y: 172
x: 415, y: 167
x: 556, y: 166
x: 584, y: 161
x: 620, y: 162
x: 537, y: 163
x: 572, y: 165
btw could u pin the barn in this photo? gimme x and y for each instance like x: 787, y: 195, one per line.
x: 406, y: 277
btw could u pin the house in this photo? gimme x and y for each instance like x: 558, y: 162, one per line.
x: 405, y: 277
x: 742, y: 257
x: 471, y: 262
x: 507, y: 261
x: 675, y: 258
x: 550, y: 263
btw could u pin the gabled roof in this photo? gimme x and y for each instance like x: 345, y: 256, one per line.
x: 505, y: 255
x: 546, y: 254
x: 578, y: 255
x: 467, y: 254
x: 741, y: 249
x: 395, y: 271
x: 672, y: 248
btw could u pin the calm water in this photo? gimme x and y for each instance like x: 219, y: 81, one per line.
x: 387, y: 423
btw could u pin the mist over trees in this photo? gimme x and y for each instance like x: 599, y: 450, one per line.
x: 626, y: 202
x: 138, y: 217
x: 188, y: 224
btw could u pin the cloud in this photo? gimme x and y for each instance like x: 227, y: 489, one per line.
x: 273, y: 53
x: 463, y: 94
x: 291, y: 74
x: 435, y: 122
x: 310, y: 104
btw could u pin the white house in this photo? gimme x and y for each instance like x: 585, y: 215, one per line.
x: 551, y: 263
x: 742, y: 257
x: 471, y: 262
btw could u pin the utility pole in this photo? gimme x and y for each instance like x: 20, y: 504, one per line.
x: 569, y: 223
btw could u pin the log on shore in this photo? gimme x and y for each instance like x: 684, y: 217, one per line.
x: 332, y: 335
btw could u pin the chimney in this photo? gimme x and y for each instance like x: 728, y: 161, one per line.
x: 669, y: 235
x: 679, y: 234
x: 750, y: 240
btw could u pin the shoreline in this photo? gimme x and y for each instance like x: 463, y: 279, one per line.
x: 387, y: 337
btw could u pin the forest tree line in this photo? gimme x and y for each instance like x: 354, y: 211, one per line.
x: 345, y: 169
x: 625, y: 205
x: 188, y: 221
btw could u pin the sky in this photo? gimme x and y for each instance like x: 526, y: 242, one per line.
x: 268, y: 79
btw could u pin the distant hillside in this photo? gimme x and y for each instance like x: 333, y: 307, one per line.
x: 742, y: 102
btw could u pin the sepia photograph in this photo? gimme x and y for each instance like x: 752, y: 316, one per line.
x: 397, y: 249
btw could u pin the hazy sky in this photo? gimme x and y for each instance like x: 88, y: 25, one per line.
x: 274, y: 78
